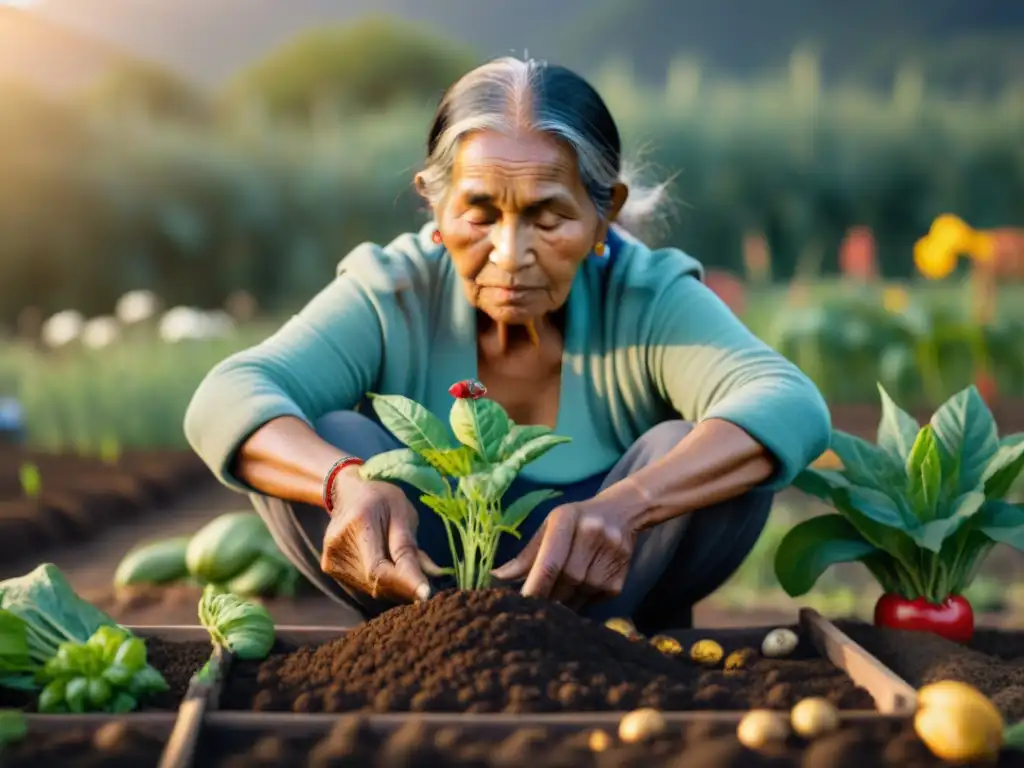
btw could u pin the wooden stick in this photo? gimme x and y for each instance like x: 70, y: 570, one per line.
x: 892, y: 694
x: 179, y: 752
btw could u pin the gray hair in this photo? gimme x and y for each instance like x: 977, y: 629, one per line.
x: 509, y: 95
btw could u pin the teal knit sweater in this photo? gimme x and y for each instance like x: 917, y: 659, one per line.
x: 645, y: 341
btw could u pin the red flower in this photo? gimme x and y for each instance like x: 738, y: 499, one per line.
x: 467, y: 390
x: 858, y: 254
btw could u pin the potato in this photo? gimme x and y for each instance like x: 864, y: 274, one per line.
x: 813, y: 717
x: 958, y: 723
x: 739, y: 660
x: 598, y: 741
x: 706, y: 652
x: 640, y: 725
x: 667, y: 645
x: 623, y: 626
x: 779, y: 643
x: 760, y: 728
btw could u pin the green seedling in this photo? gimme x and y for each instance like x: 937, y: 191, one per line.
x: 31, y: 480
x: 464, y: 481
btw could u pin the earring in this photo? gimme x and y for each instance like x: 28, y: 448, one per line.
x: 599, y: 249
x: 436, y: 237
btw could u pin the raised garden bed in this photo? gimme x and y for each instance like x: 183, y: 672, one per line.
x: 78, y: 496
x: 176, y: 658
x: 206, y: 735
x: 993, y: 662
x: 494, y: 652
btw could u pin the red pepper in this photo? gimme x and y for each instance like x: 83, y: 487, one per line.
x: 467, y: 390
x: 953, y: 619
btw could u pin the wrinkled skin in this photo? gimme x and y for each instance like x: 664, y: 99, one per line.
x: 370, y: 543
x: 580, y: 554
x: 517, y: 223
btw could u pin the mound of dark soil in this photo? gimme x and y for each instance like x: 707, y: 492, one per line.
x: 177, y: 662
x: 495, y: 651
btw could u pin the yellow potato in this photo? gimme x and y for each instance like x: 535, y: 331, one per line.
x: 623, y: 627
x: 640, y: 725
x: 667, y: 645
x: 761, y: 727
x: 706, y: 652
x: 739, y: 660
x: 958, y: 723
x: 813, y: 717
x: 599, y: 741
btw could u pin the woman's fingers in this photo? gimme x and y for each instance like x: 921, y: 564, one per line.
x: 572, y: 581
x: 552, y: 554
x: 375, y: 551
x: 520, y: 565
x: 406, y: 580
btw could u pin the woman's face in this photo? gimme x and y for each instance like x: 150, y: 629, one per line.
x: 517, y: 222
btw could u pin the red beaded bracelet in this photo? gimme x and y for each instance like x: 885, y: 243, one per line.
x: 328, y: 489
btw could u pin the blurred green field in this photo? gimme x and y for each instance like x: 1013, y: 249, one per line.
x: 114, y: 202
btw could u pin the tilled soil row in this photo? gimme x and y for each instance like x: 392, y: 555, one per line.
x: 49, y: 500
x: 353, y: 741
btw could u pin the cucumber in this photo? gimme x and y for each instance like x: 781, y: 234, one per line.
x: 159, y: 562
x: 226, y: 546
x: 260, y: 578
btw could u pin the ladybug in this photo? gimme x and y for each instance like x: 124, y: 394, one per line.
x: 467, y: 390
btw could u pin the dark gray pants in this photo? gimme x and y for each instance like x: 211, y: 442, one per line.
x: 675, y: 564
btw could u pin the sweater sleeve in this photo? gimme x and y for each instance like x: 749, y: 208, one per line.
x: 323, y: 359
x: 708, y: 365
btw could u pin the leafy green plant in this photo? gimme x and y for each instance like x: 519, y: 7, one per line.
x: 107, y: 673
x: 50, y: 638
x: 31, y: 480
x: 13, y: 726
x: 920, y: 509
x: 244, y: 628
x: 50, y: 614
x: 464, y: 481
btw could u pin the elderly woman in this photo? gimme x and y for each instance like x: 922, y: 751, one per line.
x: 683, y: 423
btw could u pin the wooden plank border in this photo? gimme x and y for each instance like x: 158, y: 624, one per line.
x: 892, y: 694
x: 298, y: 724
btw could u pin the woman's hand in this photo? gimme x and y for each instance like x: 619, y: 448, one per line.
x: 581, y: 553
x: 370, y: 543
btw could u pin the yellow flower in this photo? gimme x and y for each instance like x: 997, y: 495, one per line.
x: 933, y: 258
x: 951, y: 228
x: 895, y: 299
x: 980, y: 246
x: 936, y: 254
